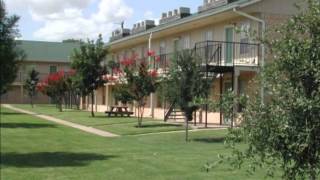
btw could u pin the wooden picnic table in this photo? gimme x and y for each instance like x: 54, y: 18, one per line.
x: 119, y: 110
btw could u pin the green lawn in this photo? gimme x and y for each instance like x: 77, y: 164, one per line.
x: 35, y: 149
x: 122, y: 126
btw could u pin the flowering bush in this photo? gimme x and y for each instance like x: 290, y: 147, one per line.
x: 127, y: 62
x: 153, y: 73
x: 55, y: 85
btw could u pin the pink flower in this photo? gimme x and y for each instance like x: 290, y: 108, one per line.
x: 153, y: 73
x: 127, y: 62
x: 151, y: 53
x: 72, y: 72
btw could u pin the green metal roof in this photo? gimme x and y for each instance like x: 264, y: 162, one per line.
x: 47, y: 51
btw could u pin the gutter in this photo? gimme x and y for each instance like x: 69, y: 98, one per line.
x: 263, y: 25
x: 183, y: 21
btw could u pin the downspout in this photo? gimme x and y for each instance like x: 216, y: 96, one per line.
x: 263, y: 26
x: 152, y: 94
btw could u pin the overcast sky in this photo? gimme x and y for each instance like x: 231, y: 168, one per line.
x: 55, y: 20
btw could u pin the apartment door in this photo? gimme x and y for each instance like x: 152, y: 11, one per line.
x: 229, y: 45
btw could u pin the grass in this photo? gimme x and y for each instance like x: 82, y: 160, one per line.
x: 121, y: 126
x: 35, y: 149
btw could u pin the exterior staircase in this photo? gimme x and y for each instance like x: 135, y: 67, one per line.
x: 173, y: 114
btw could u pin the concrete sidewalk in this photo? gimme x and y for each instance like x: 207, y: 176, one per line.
x: 63, y: 122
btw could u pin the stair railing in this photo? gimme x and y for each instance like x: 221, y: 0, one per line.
x: 168, y: 113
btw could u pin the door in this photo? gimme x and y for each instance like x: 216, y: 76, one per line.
x: 229, y: 46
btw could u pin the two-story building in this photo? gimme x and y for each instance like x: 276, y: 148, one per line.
x: 45, y: 58
x: 218, y: 32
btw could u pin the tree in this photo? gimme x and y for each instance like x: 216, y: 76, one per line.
x: 122, y: 94
x: 10, y: 54
x: 285, y: 130
x: 185, y: 83
x: 140, y: 84
x: 113, y: 67
x: 55, y: 86
x: 88, y: 63
x: 31, y: 84
x: 134, y: 81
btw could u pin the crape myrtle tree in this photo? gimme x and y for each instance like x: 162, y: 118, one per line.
x: 141, y: 84
x: 31, y: 84
x: 88, y: 63
x: 285, y: 130
x: 185, y: 83
x: 10, y: 54
x: 135, y: 81
x: 55, y: 86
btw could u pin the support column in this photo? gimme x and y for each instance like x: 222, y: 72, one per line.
x: 152, y: 104
x: 21, y: 94
x: 87, y: 102
x: 107, y: 96
x: 81, y: 103
x: 236, y: 91
x: 95, y: 100
x: 221, y: 91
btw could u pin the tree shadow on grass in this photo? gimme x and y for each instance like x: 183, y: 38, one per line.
x: 26, y: 125
x: 158, y: 125
x: 210, y: 140
x: 10, y: 113
x: 49, y: 159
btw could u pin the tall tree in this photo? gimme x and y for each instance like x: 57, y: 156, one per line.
x: 31, y: 84
x: 140, y: 84
x: 184, y: 83
x: 285, y: 130
x: 10, y: 55
x: 88, y: 63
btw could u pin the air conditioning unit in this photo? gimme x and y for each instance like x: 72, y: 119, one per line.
x: 175, y: 15
x: 119, y: 33
x: 142, y: 26
x: 211, y: 4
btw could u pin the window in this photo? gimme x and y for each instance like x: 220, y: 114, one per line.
x: 244, y: 39
x: 163, y: 47
x: 186, y: 42
x: 143, y: 52
x: 53, y: 69
x: 207, y: 35
x: 176, y: 45
x: 244, y: 46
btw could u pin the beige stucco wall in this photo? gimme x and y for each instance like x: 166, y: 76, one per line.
x: 195, y: 35
x: 17, y: 95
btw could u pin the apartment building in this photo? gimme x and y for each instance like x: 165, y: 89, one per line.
x: 217, y: 32
x: 44, y: 57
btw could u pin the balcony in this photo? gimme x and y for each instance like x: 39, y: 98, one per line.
x: 219, y: 53
x: 213, y: 56
x: 22, y: 76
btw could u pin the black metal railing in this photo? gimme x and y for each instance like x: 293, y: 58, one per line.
x: 215, y: 53
x: 222, y: 53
